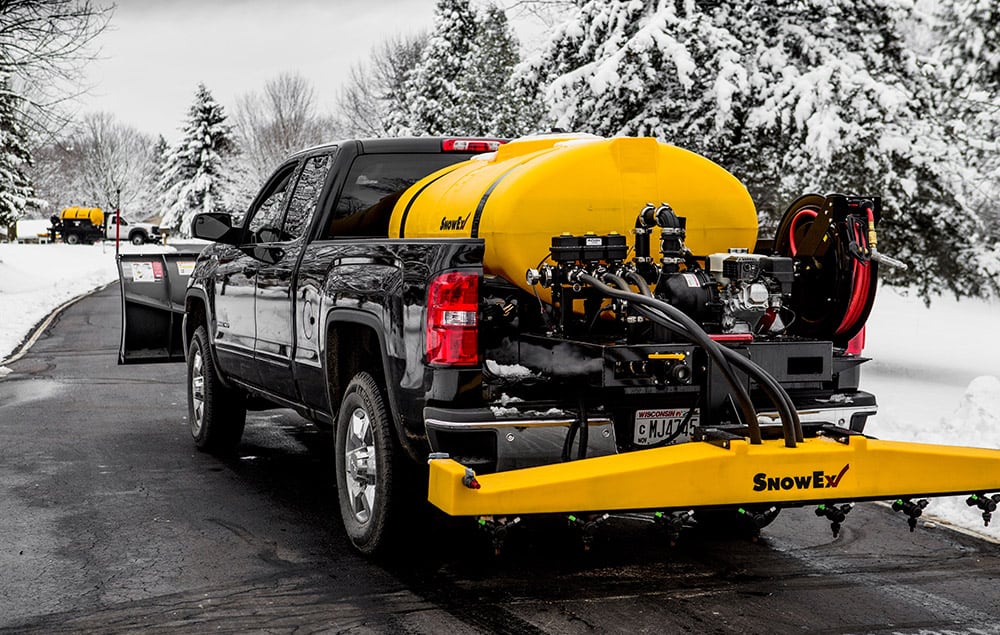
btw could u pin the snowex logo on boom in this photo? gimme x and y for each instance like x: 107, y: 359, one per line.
x: 818, y: 479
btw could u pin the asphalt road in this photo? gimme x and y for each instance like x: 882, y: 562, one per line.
x: 110, y: 521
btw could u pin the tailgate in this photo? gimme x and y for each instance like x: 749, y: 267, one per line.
x: 152, y: 287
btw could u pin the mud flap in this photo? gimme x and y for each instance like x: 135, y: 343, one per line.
x: 153, y: 287
x: 700, y: 474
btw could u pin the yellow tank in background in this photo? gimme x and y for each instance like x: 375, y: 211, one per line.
x: 94, y: 214
x: 532, y: 189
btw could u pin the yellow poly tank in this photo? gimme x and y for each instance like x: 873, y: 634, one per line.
x: 93, y: 214
x: 532, y: 189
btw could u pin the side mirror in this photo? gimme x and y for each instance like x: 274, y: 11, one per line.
x: 217, y: 227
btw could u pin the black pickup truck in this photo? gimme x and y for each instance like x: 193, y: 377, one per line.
x: 406, y: 347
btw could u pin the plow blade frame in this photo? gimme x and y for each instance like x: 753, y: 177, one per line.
x: 153, y: 287
x: 700, y: 474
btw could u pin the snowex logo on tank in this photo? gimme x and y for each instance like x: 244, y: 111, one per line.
x: 454, y: 224
x: 817, y: 479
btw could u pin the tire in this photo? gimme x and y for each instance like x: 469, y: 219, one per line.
x: 71, y: 239
x: 216, y: 414
x: 137, y: 238
x: 369, y: 483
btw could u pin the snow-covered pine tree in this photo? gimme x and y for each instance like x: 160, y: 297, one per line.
x: 433, y: 85
x: 840, y: 102
x: 487, y: 104
x: 161, y: 154
x: 798, y: 96
x: 196, y: 174
x: 16, y: 191
x: 560, y: 75
x: 968, y: 49
x: 161, y: 150
x: 642, y: 68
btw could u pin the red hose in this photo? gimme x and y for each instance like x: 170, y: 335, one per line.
x: 861, y: 284
x: 858, y: 280
x: 791, y: 230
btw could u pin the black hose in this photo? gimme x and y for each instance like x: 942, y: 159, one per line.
x: 791, y: 426
x: 790, y: 423
x: 640, y: 282
x: 692, y: 331
x: 775, y: 391
x: 567, y: 452
x: 584, y: 430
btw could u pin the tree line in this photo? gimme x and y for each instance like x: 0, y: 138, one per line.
x: 866, y: 96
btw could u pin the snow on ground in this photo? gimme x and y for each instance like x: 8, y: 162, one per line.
x: 936, y: 371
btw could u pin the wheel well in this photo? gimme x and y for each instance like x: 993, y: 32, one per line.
x: 194, y: 309
x: 350, y: 348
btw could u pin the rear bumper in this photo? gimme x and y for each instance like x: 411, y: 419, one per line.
x: 853, y: 417
x: 507, y: 438
x: 520, y: 435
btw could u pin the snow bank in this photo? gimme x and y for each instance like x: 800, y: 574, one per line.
x: 935, y: 373
x: 976, y: 422
x: 951, y: 342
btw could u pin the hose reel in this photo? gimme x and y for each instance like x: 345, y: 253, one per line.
x: 832, y: 240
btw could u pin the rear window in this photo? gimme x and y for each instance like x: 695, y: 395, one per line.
x: 374, y: 184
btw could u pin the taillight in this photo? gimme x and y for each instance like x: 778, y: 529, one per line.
x: 453, y: 319
x: 470, y: 145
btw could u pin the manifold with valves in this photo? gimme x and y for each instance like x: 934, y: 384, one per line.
x: 815, y: 279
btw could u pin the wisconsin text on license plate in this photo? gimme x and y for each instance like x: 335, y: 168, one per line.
x: 663, y: 424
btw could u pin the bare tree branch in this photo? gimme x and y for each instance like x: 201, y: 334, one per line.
x: 44, y: 45
x: 374, y: 92
x: 96, y: 159
x: 278, y: 121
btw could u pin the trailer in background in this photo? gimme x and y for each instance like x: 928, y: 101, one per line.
x: 76, y: 225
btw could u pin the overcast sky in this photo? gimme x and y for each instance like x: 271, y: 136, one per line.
x: 156, y: 51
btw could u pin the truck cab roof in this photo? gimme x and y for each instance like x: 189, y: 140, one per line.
x: 416, y: 145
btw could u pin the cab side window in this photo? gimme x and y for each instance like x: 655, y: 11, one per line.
x: 305, y: 196
x: 265, y: 217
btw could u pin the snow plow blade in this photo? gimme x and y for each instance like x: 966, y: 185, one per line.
x: 152, y: 287
x: 702, y: 474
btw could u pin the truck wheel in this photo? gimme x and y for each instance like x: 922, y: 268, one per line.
x: 72, y: 239
x: 138, y: 238
x: 216, y: 413
x: 365, y: 456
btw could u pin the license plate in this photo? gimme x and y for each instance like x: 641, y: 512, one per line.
x: 653, y: 427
